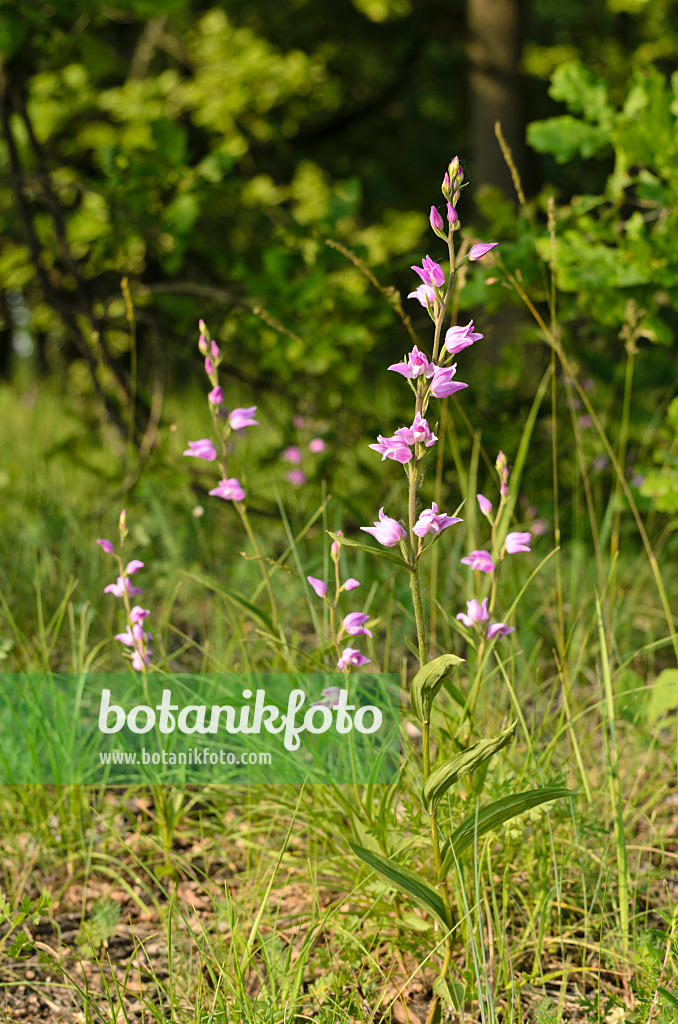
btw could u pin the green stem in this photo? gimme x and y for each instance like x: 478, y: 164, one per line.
x: 418, y: 614
x: 442, y: 882
x: 440, y: 319
x: 623, y: 439
x: 415, y: 583
x: 570, y: 372
x: 242, y: 512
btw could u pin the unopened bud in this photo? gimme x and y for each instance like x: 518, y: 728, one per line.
x: 202, y: 328
x: 501, y: 466
x: 209, y: 365
x: 485, y: 504
x: 436, y: 220
x: 202, y: 345
x: 452, y: 215
x: 215, y: 351
x: 122, y: 522
x: 456, y: 197
x: 460, y: 176
x: 334, y: 550
x: 453, y: 167
x: 446, y: 186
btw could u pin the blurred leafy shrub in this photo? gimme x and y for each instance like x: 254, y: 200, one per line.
x: 661, y: 481
x: 612, y: 252
x: 153, y: 141
x: 621, y: 243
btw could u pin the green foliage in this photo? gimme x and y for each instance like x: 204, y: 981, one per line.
x: 619, y: 245
x: 428, y: 682
x: 406, y: 881
x: 16, y: 940
x: 154, y: 143
x: 182, y: 178
x: 456, y: 767
x: 100, y: 926
x: 609, y: 245
x: 492, y: 816
x: 661, y: 481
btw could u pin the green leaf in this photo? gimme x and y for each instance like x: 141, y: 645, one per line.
x: 427, y: 683
x: 447, y: 773
x: 631, y: 697
x: 181, y: 214
x: 451, y: 993
x: 582, y: 91
x: 668, y: 996
x: 404, y: 880
x: 370, y: 550
x: 663, y: 696
x: 495, y: 814
x: 565, y: 136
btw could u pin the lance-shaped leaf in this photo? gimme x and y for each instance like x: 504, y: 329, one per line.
x: 428, y: 682
x: 491, y: 817
x: 379, y: 552
x: 668, y: 996
x: 406, y: 881
x: 447, y: 773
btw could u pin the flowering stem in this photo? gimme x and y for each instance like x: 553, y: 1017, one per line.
x: 418, y: 614
x: 415, y: 583
x: 442, y: 310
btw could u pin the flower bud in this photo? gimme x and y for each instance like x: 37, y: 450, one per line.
x: 202, y: 345
x: 446, y: 187
x: 456, y: 197
x: 501, y: 466
x: 453, y: 168
x: 215, y: 351
x: 460, y: 176
x: 436, y: 220
x: 478, y: 251
x: 334, y: 550
x: 452, y: 216
x: 319, y: 586
x: 122, y: 522
x: 485, y: 504
x: 209, y: 365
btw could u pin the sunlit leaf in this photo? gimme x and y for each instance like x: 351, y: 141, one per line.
x: 459, y: 765
x: 492, y: 816
x: 405, y: 880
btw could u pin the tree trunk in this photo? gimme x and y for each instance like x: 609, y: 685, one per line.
x: 494, y: 52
